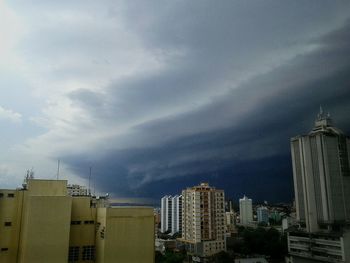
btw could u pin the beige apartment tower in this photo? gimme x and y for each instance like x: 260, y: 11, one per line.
x: 203, y: 220
x: 42, y: 223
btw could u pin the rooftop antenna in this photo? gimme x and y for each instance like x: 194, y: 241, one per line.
x: 58, y: 168
x: 90, y: 180
x: 94, y: 187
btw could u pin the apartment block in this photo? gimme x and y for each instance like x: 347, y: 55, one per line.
x: 171, y: 214
x: 262, y: 214
x: 245, y: 211
x: 203, y: 220
x: 41, y: 222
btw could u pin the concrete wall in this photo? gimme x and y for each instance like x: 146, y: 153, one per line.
x: 47, y: 187
x: 128, y: 235
x: 45, y: 229
x: 10, y: 211
x: 82, y: 229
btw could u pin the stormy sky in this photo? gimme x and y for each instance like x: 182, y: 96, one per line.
x: 156, y: 96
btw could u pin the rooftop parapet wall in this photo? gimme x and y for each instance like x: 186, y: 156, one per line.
x: 37, y: 187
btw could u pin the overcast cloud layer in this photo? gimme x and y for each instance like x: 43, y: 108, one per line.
x: 157, y: 96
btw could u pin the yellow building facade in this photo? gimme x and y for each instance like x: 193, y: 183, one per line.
x: 203, y: 221
x: 42, y: 223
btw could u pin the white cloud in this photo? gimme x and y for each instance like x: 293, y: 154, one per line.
x: 10, y: 115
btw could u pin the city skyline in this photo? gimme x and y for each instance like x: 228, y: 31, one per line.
x: 154, y: 103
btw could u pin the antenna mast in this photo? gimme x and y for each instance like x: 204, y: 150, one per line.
x: 58, y: 168
x: 90, y: 180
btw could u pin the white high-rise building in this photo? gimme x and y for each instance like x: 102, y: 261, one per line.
x: 321, y: 175
x: 176, y: 223
x: 171, y: 214
x: 203, y: 227
x: 245, y: 211
x: 166, y: 213
x: 322, y: 193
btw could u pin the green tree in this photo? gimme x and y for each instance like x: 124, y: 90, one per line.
x: 262, y: 241
x: 170, y: 257
x: 221, y: 257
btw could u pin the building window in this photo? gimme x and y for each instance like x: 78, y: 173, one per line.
x: 73, y: 254
x: 89, y: 222
x: 11, y: 195
x: 1, y: 194
x: 75, y: 222
x: 8, y: 224
x: 88, y: 252
x: 102, y: 233
x: 4, y: 249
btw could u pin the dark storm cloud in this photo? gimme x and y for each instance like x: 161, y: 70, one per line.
x: 208, y: 51
x: 239, y: 140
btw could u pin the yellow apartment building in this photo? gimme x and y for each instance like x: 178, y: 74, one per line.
x: 203, y: 221
x: 41, y: 223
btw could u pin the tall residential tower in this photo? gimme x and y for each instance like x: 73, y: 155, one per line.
x: 171, y: 214
x: 322, y: 193
x: 203, y: 221
x: 321, y: 175
x: 245, y: 211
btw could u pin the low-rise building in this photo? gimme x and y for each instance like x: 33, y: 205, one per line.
x: 262, y: 214
x: 42, y: 223
x: 77, y: 190
x: 319, y: 247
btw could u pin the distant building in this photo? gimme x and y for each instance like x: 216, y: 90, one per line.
x: 203, y: 227
x: 245, y: 211
x: 262, y: 214
x: 41, y: 223
x: 230, y: 219
x: 171, y: 214
x: 275, y: 217
x: 76, y: 190
x: 176, y: 216
x: 287, y: 222
x: 321, y: 177
x: 251, y: 260
x: 166, y: 213
x: 230, y: 222
x: 157, y: 216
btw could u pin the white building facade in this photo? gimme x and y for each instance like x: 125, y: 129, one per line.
x: 176, y: 223
x: 165, y: 214
x: 171, y: 214
x: 245, y: 211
